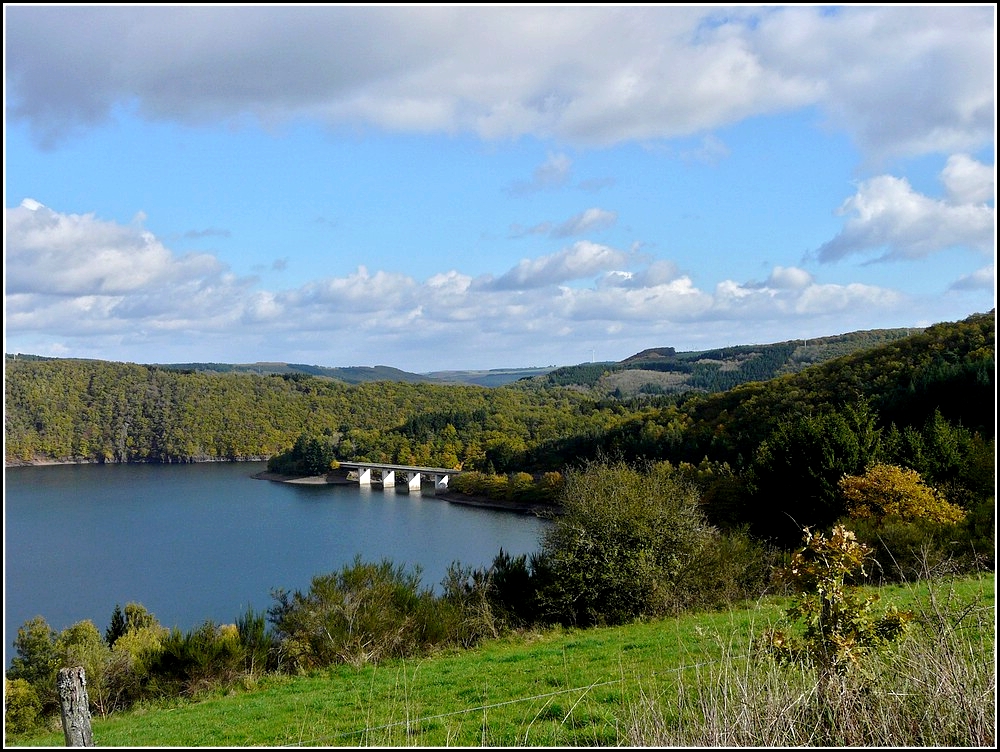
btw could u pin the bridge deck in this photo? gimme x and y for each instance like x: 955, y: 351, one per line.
x: 400, y: 468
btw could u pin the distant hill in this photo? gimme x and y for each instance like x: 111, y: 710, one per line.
x: 494, y: 377
x: 362, y: 374
x: 663, y: 370
x: 349, y: 375
x: 654, y: 371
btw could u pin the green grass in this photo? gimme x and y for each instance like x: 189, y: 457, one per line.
x: 688, y: 680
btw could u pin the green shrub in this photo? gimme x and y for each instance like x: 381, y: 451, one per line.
x: 622, y: 544
x: 37, y: 661
x: 361, y: 614
x: 205, y: 658
x: 840, y: 626
x: 83, y: 645
x: 260, y: 648
x: 731, y: 568
x: 464, y: 611
x: 22, y: 708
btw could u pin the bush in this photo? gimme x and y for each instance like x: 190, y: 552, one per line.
x: 905, y: 551
x: 22, y: 708
x: 361, y: 614
x: 731, y: 568
x: 621, y: 546
x: 839, y: 623
x: 83, y: 645
x: 206, y: 658
x: 464, y: 610
x: 37, y: 661
x: 260, y: 647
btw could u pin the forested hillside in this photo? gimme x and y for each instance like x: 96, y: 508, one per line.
x: 85, y: 410
x: 662, y: 370
x: 349, y: 375
x: 65, y: 409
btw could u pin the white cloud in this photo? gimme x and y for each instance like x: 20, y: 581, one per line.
x: 582, y: 259
x: 901, y: 79
x: 968, y: 181
x: 886, y: 215
x: 74, y: 254
x: 183, y: 311
x: 590, y: 220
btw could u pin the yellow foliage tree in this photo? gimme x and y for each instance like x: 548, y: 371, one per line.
x: 892, y: 491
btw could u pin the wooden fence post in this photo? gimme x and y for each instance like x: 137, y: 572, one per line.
x: 71, y: 684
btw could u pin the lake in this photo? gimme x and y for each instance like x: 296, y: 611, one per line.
x: 204, y: 541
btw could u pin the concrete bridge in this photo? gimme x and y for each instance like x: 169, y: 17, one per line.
x: 411, y: 475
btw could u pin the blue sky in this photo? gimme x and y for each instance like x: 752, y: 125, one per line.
x: 483, y: 187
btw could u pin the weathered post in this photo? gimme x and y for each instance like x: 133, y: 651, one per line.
x: 71, y: 684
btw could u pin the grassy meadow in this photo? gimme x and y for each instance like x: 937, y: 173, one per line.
x: 693, y: 680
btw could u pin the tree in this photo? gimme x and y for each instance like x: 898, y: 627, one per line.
x: 621, y: 544
x: 116, y: 627
x: 892, y: 491
x: 37, y: 661
x: 82, y: 645
x: 795, y: 473
x: 840, y: 626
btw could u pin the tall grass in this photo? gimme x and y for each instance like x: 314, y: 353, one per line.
x: 937, y: 688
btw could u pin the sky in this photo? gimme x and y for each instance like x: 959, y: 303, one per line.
x: 475, y: 187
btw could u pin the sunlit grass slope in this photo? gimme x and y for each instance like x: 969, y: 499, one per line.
x: 692, y: 680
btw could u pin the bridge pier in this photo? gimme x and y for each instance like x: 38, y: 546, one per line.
x: 411, y: 476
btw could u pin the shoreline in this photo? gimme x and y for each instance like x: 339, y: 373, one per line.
x: 45, y: 462
x: 453, y: 497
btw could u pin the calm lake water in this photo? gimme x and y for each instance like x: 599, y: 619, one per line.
x: 204, y: 541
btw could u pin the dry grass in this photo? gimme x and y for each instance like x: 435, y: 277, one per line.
x: 935, y: 689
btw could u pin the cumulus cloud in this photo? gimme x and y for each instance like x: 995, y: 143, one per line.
x: 582, y: 259
x: 73, y: 254
x: 968, y: 181
x: 73, y: 287
x: 902, y: 80
x: 887, y: 216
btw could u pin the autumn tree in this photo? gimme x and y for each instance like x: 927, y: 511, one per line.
x: 839, y: 624
x: 892, y: 491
